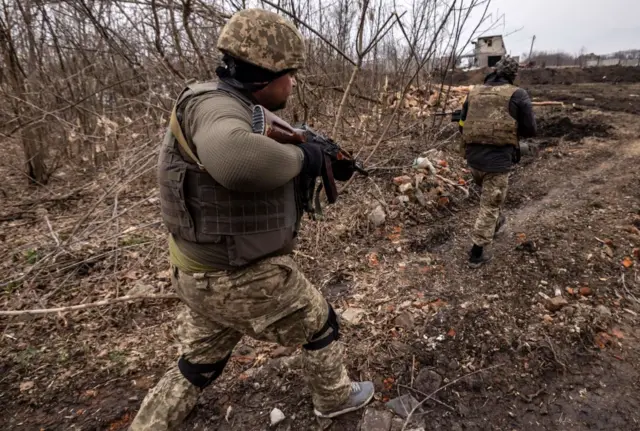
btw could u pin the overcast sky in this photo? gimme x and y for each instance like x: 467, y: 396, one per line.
x: 600, y: 26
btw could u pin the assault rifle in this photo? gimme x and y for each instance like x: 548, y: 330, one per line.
x: 455, y: 115
x: 338, y: 163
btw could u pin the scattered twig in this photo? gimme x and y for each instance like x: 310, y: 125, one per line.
x: 451, y: 183
x: 529, y: 398
x: 51, y: 231
x: 41, y: 311
x: 430, y: 396
x: 437, y: 401
x: 555, y: 355
x: 299, y: 253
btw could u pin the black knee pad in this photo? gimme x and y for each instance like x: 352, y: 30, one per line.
x: 195, y: 373
x: 330, y: 337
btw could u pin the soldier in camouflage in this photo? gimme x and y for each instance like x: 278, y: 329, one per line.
x: 494, y: 117
x: 229, y: 201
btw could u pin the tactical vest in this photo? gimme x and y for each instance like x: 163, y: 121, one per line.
x: 198, y: 209
x: 488, y: 121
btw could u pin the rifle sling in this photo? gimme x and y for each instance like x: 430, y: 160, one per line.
x: 177, y: 132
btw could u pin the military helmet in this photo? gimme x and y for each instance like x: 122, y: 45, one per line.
x: 508, y: 66
x: 264, y: 39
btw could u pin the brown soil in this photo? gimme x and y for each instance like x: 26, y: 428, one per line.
x: 576, y: 129
x: 563, y: 76
x: 573, y: 217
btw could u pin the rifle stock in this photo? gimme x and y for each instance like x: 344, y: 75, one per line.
x: 269, y: 124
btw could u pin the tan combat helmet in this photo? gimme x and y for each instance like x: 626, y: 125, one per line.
x: 264, y: 39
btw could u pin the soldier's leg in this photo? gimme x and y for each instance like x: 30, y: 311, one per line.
x: 273, y: 301
x: 315, y: 327
x: 205, y: 349
x: 494, y: 192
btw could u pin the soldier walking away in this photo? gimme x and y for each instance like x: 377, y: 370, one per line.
x: 494, y: 117
x: 229, y: 202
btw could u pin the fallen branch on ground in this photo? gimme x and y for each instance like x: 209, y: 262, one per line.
x: 547, y: 103
x: 85, y: 306
x: 406, y: 422
x: 451, y: 183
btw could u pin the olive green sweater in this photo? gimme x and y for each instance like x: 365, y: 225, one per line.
x: 237, y: 158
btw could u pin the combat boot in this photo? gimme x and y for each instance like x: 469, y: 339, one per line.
x: 360, y: 395
x: 478, y: 256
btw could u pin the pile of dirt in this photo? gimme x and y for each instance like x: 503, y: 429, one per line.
x: 572, y: 129
x: 566, y: 76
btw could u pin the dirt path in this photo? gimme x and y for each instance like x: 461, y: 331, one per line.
x: 509, y: 360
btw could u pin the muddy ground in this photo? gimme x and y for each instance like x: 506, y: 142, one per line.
x: 500, y: 355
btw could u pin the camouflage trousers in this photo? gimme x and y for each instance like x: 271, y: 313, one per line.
x: 270, y: 301
x: 494, y: 193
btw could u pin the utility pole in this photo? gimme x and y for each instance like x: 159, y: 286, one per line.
x: 531, y: 50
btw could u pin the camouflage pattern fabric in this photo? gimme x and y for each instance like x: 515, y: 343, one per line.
x: 488, y: 121
x: 494, y: 193
x: 270, y: 301
x: 263, y: 38
x: 507, y: 67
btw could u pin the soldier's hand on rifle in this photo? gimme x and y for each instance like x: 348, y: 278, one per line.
x: 342, y: 169
x: 313, y: 159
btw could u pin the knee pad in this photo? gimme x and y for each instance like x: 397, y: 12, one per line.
x: 195, y: 373
x: 320, y: 343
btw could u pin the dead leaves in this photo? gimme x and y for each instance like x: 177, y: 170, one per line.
x: 443, y: 201
x: 404, y: 179
x: 585, y: 291
x: 121, y: 423
x: 26, y: 386
x: 582, y: 291
x: 601, y: 340
x: 633, y: 230
x: 616, y: 332
x: 604, y: 339
x: 388, y: 383
x: 394, y: 237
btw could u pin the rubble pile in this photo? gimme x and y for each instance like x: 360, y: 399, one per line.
x: 432, y: 182
x: 425, y: 100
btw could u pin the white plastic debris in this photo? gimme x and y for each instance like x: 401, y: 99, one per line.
x: 276, y: 416
x: 424, y: 163
x: 377, y: 216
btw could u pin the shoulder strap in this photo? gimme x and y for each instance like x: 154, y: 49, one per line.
x: 192, y: 89
x: 196, y: 89
x: 177, y: 132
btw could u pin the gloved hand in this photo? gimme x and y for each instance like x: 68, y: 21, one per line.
x: 342, y: 169
x: 313, y: 159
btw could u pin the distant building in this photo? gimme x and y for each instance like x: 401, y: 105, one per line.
x: 488, y: 51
